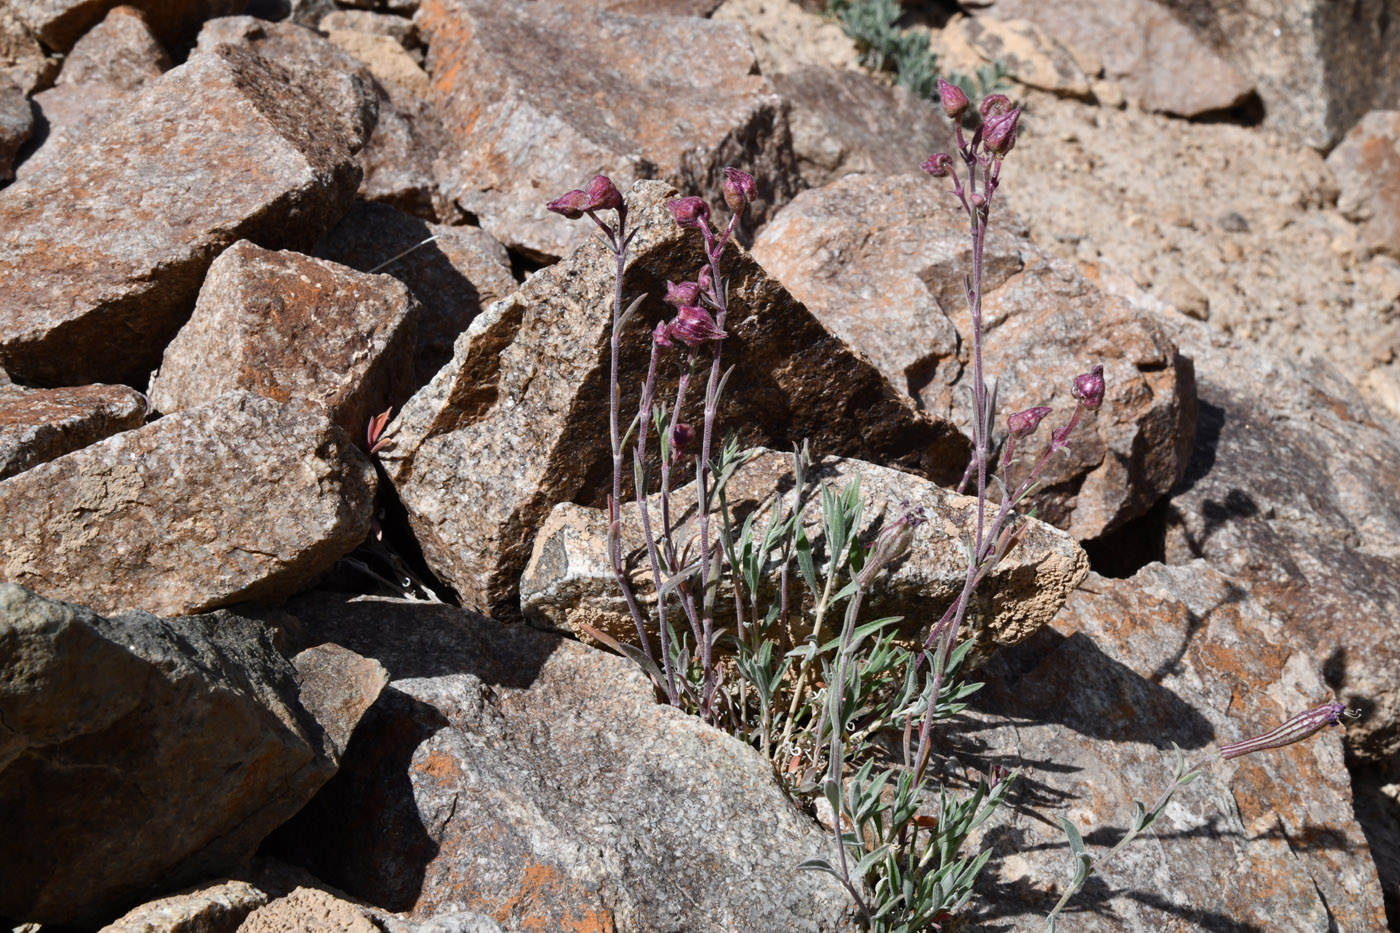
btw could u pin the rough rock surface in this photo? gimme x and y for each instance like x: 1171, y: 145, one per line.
x: 66, y: 115
x: 1367, y: 166
x: 42, y: 424
x: 599, y: 809
x: 16, y: 125
x: 785, y: 36
x: 105, y: 716
x: 208, y: 908
x: 1030, y: 57
x: 242, y: 499
x: 401, y: 30
x: 845, y: 121
x: 569, y: 579
x: 880, y: 260
x: 538, y: 99
x: 120, y: 50
x: 308, y: 910
x: 1090, y: 708
x: 22, y: 58
x: 517, y: 422
x: 286, y: 326
x: 131, y: 260
x: 60, y: 23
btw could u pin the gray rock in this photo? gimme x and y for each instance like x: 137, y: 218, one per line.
x: 67, y: 114
x: 60, y: 23
x: 401, y: 30
x: 43, y: 424
x: 1367, y: 166
x: 22, y: 58
x: 140, y: 752
x: 512, y: 773
x: 129, y: 256
x: 120, y: 50
x: 218, y: 907
x: 16, y: 125
x: 242, y: 499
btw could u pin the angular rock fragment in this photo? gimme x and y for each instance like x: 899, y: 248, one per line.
x: 22, y: 58
x: 1367, y: 166
x: 569, y: 579
x: 141, y: 752
x: 286, y: 326
x: 208, y: 908
x: 16, y: 125
x: 43, y: 424
x: 845, y: 121
x: 599, y: 809
x: 120, y: 50
x: 60, y: 23
x: 241, y: 499
x: 130, y: 262
x: 881, y: 260
x: 336, y: 687
x: 67, y: 114
x: 1173, y: 654
x: 537, y: 98
x: 518, y: 421
x: 461, y: 271
x: 401, y: 30
x: 1029, y: 56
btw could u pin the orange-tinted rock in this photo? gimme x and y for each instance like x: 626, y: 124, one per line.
x: 60, y: 23
x: 22, y: 58
x: 16, y: 125
x: 119, y: 50
x: 1367, y: 166
x: 43, y: 424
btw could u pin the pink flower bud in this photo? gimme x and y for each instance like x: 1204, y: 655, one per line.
x: 739, y: 189
x: 994, y: 104
x: 1088, y: 388
x: 682, y: 436
x: 999, y: 132
x: 571, y: 204
x: 953, y: 99
x: 977, y: 199
x: 603, y: 194
x: 1295, y: 730
x: 686, y: 293
x: 702, y: 278
x: 694, y: 326
x: 691, y: 212
x: 662, y: 334
x: 938, y: 165
x: 892, y: 543
x: 1024, y: 423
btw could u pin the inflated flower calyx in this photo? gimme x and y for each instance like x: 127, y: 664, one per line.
x: 693, y: 326
x: 952, y: 98
x: 1089, y: 388
x: 680, y: 294
x: 739, y: 189
x: 1024, y: 423
x: 662, y: 335
x: 938, y: 165
x: 602, y: 195
x: 893, y: 542
x: 1296, y: 729
x: 999, y: 132
x: 692, y: 212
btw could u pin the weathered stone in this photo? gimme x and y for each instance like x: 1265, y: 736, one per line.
x: 59, y: 23
x: 1029, y: 55
x: 880, y: 260
x: 209, y: 908
x: 67, y: 115
x: 242, y: 499
x: 120, y: 50
x: 569, y: 579
x: 845, y: 121
x: 1367, y: 166
x: 649, y: 7
x: 1091, y: 707
x: 461, y: 271
x: 16, y: 125
x: 385, y: 57
x: 512, y: 773
x: 308, y: 910
x: 1144, y: 48
x: 536, y: 99
x: 105, y: 247
x: 286, y: 326
x: 43, y: 424
x: 401, y: 30
x: 337, y: 686
x: 518, y: 421
x: 398, y: 162
x: 140, y: 752
x: 22, y: 58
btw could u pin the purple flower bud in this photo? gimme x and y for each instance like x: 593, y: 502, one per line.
x: 1088, y: 388
x: 999, y: 132
x: 892, y: 543
x: 694, y: 326
x: 994, y: 104
x: 739, y: 189
x: 662, y: 334
x: 686, y: 293
x: 938, y: 165
x: 691, y: 212
x: 996, y: 774
x: 702, y: 278
x: 682, y: 436
x: 1295, y: 730
x: 1024, y: 423
x: 953, y: 99
x: 571, y: 204
x: 977, y: 199
x: 603, y: 194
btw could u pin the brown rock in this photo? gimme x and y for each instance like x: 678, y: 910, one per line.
x: 1174, y: 654
x: 385, y: 57
x: 286, y: 326
x: 537, y: 99
x: 59, y: 23
x: 120, y: 50
x: 308, y: 910
x: 512, y: 773
x: 569, y: 579
x: 398, y: 162
x: 495, y: 441
x: 132, y: 259
x: 69, y: 114
x: 209, y: 908
x: 1367, y: 166
x: 140, y: 752
x: 1144, y: 48
x: 16, y: 125
x: 880, y: 261
x: 44, y: 424
x: 22, y: 58
x: 401, y: 30
x: 337, y: 686
x: 845, y: 121
x: 242, y: 499
x: 461, y: 271
x: 1029, y: 56
x: 649, y: 7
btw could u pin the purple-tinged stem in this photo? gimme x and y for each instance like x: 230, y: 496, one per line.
x: 643, y: 429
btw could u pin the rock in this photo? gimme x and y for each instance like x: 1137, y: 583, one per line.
x: 242, y: 499
x: 456, y: 275
x: 1367, y: 166
x: 845, y: 121
x: 398, y: 162
x: 69, y: 114
x: 308, y: 910
x: 336, y: 687
x: 401, y: 30
x: 120, y: 50
x: 511, y: 773
x: 648, y: 7
x: 22, y: 58
x: 1143, y: 46
x: 131, y: 261
x: 1092, y: 705
x: 59, y: 23
x: 536, y: 99
x: 209, y: 908
x: 569, y: 579
x: 16, y: 125
x: 1031, y: 57
x: 385, y: 57
x: 43, y: 424
x: 104, y: 717
x: 786, y: 36
x: 284, y: 326
x: 880, y: 260
x: 485, y: 450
